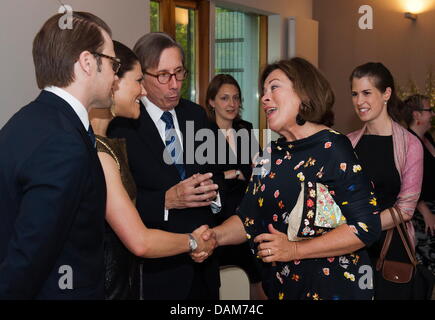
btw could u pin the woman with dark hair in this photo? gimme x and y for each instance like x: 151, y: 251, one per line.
x: 308, y: 211
x: 125, y: 230
x: 391, y: 156
x: 418, y: 116
x: 223, y: 107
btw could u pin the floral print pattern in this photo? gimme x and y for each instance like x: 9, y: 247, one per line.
x: 325, y: 158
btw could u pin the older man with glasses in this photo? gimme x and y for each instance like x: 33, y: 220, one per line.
x: 173, y: 194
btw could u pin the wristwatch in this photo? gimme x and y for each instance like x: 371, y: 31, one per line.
x: 192, y: 243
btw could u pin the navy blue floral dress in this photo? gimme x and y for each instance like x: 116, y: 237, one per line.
x: 326, y: 157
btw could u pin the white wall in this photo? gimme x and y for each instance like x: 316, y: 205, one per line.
x: 285, y: 9
x: 20, y: 20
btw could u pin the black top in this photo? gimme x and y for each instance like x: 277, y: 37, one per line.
x: 239, y: 160
x: 427, y: 188
x: 118, y: 261
x: 377, y: 157
x: 326, y: 157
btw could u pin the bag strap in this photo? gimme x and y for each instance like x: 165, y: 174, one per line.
x: 385, y: 248
x: 404, y: 236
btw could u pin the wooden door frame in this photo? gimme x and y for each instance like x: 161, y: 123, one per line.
x: 167, y: 24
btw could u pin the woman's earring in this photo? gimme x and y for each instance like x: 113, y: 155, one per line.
x: 299, y: 120
x: 112, y: 106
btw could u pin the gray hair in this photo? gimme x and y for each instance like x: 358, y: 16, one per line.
x: 149, y: 48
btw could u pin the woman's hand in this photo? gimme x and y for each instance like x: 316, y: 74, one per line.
x: 234, y: 174
x: 429, y: 224
x: 428, y: 216
x: 206, y: 239
x: 275, y: 246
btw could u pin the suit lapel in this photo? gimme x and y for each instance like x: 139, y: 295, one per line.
x: 182, y: 118
x: 152, y: 140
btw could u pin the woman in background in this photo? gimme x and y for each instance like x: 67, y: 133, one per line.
x: 125, y: 231
x: 223, y: 107
x: 391, y: 156
x: 418, y: 116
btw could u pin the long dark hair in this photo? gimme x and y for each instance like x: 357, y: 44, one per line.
x: 126, y: 55
x: 382, y: 79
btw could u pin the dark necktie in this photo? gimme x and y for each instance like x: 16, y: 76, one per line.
x: 92, y: 136
x: 173, y: 145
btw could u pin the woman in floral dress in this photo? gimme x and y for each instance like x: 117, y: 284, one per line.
x: 312, y: 241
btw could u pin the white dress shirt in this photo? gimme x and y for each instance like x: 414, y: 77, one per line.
x: 77, y: 106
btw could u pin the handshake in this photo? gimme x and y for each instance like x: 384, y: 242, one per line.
x: 207, y: 242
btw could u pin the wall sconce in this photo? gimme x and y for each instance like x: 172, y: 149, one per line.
x: 411, y: 16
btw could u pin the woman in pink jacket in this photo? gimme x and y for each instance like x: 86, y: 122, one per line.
x: 391, y: 156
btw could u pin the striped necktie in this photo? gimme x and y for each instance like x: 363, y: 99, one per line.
x: 173, y: 145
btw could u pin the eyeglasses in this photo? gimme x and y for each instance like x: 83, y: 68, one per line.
x: 165, y: 77
x: 116, y: 62
x: 428, y: 109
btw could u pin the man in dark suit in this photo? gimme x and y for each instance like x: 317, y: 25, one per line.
x: 52, y: 188
x: 166, y: 200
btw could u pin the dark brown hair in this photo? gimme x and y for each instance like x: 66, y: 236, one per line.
x: 310, y: 85
x: 55, y: 50
x: 382, y: 79
x: 213, y: 88
x: 411, y: 104
x: 149, y: 48
x: 127, y: 57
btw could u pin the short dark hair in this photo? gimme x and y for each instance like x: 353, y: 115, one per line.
x: 126, y: 55
x: 213, y: 88
x: 411, y: 104
x: 149, y: 48
x: 311, y: 86
x: 382, y: 79
x: 56, y: 50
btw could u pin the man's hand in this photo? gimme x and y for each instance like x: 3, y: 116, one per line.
x: 206, y: 239
x: 196, y: 191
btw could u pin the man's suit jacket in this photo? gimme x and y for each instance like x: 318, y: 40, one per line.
x: 52, y: 205
x: 166, y: 278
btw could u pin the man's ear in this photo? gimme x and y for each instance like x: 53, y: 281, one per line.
x: 86, y: 61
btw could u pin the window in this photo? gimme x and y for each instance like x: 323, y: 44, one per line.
x: 185, y: 34
x: 181, y: 20
x: 237, y: 52
x: 154, y: 16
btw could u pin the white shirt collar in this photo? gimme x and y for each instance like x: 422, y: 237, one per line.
x: 77, y: 106
x: 156, y: 114
x: 154, y: 111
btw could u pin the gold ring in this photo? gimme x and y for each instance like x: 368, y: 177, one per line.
x: 268, y: 251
